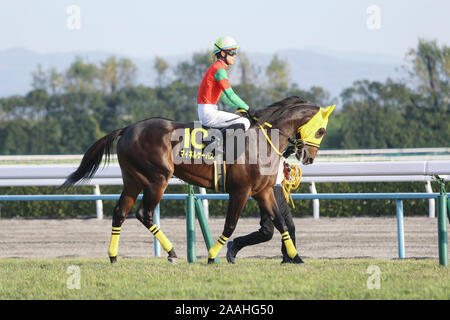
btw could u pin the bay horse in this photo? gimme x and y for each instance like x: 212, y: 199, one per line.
x: 146, y: 149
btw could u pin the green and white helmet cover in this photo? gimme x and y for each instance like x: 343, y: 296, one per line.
x: 225, y: 43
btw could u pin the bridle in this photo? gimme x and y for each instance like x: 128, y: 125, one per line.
x: 297, y: 142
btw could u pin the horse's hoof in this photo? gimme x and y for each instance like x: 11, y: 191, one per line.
x: 172, y: 260
x: 297, y: 260
x: 211, y: 261
x: 113, y: 259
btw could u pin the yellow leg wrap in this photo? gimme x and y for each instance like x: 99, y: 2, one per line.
x: 165, y: 243
x: 290, y: 248
x: 114, y: 242
x: 214, y: 251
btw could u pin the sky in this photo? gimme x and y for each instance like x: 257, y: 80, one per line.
x: 172, y: 27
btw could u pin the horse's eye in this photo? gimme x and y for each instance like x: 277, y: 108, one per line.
x: 320, y: 133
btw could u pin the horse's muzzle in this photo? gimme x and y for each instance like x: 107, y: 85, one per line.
x: 303, y: 156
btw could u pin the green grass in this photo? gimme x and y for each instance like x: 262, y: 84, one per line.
x: 155, y: 278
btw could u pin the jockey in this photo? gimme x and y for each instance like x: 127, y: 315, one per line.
x: 215, y: 87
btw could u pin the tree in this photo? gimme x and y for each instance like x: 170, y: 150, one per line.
x: 430, y: 70
x: 55, y: 81
x: 278, y: 73
x: 39, y: 79
x: 115, y: 74
x: 373, y: 115
x: 191, y: 72
x: 245, y: 68
x: 278, y: 76
x: 161, y: 67
x: 81, y: 76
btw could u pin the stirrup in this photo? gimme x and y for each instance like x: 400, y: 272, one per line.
x: 218, y: 145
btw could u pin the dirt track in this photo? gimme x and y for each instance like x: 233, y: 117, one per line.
x: 323, y: 238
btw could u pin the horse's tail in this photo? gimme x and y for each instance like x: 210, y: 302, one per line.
x: 92, y: 159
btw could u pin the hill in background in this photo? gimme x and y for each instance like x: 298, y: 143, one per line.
x: 330, y: 70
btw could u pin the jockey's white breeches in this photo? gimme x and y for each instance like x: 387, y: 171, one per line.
x: 210, y: 116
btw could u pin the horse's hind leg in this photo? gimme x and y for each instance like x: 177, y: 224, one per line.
x: 126, y: 201
x: 152, y: 196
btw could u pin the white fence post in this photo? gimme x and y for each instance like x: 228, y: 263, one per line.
x: 431, y: 202
x: 315, y: 202
x: 98, y: 203
x: 205, y: 203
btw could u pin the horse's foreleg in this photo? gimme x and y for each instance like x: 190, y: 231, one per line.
x: 268, y: 203
x: 235, y: 206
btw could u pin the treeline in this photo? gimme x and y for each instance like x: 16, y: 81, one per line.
x: 67, y: 111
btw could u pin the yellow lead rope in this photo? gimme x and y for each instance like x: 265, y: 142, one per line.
x: 295, y: 176
x: 268, y: 139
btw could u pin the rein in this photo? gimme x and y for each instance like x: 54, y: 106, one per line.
x: 292, y: 171
x: 267, y: 137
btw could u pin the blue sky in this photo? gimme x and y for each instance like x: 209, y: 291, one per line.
x: 148, y: 28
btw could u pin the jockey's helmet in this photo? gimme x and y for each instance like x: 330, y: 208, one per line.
x: 226, y: 43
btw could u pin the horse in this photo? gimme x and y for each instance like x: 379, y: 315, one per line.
x: 146, y: 152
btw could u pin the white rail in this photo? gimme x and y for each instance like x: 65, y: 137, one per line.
x: 55, y: 175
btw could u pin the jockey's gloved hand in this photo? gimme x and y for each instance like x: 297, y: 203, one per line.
x: 250, y: 113
x: 289, y: 150
x: 241, y: 112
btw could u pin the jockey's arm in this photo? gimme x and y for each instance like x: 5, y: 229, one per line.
x: 229, y: 97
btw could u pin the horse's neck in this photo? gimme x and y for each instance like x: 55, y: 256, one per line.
x: 289, y: 125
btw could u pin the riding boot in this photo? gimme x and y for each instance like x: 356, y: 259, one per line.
x: 218, y: 143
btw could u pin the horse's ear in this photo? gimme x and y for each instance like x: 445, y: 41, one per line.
x: 326, y: 113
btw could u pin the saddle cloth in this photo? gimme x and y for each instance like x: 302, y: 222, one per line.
x: 197, y: 139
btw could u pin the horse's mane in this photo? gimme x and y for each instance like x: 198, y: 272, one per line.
x: 277, y: 109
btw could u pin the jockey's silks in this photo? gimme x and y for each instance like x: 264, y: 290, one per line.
x: 215, y: 86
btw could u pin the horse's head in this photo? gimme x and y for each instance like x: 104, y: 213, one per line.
x: 306, y: 153
x: 310, y: 135
x: 295, y: 116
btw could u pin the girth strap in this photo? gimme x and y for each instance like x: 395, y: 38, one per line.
x: 220, y: 176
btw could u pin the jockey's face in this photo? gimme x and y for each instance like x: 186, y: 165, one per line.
x: 229, y: 59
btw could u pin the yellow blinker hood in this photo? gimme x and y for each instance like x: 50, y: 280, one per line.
x: 308, y: 131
